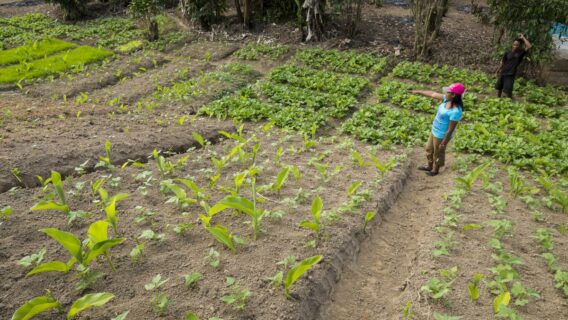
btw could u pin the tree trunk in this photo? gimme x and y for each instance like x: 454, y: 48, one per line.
x: 248, y: 14
x: 314, y: 19
x: 428, y: 16
x: 153, y: 31
x: 239, y: 11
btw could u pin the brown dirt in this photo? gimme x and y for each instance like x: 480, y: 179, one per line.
x: 397, y: 261
x: 182, y: 254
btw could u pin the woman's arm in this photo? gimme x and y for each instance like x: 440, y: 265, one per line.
x: 448, y: 136
x: 428, y: 93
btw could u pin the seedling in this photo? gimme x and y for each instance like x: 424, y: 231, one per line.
x: 6, y: 212
x: 382, y: 167
x: 467, y: 181
x: 192, y: 279
x: 317, y: 207
x: 436, y: 288
x: 180, y: 197
x: 297, y: 271
x: 544, y: 238
x: 368, y: 218
x: 473, y: 286
x: 33, y: 259
x: 202, y: 142
x: 407, y: 311
x: 518, y: 186
x: 281, y: 179
x: 242, y: 205
x: 105, y: 161
x: 277, y: 279
x: 48, y: 203
x: 150, y: 235
x: 289, y: 260
x: 41, y: 304
x: 501, y: 228
x: 138, y: 251
x: 561, y: 281
x: 161, y: 300
x: 560, y: 198
x: 356, y: 157
x: 97, y: 244
x: 239, y: 298
x: 213, y: 258
x: 522, y: 294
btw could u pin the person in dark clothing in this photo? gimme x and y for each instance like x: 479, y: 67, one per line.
x: 508, y: 68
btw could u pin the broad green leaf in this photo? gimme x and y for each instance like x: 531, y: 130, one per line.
x: 298, y: 270
x: 281, y: 178
x: 221, y: 234
x: 57, y: 266
x: 309, y: 225
x: 87, y: 301
x: 501, y: 300
x: 473, y: 291
x: 177, y: 190
x: 191, y: 186
x: 34, y: 307
x: 103, y: 194
x: 50, y: 205
x: 98, y: 231
x: 6, y: 211
x: 317, y: 206
x: 67, y: 240
x: 101, y: 248
x: 235, y: 202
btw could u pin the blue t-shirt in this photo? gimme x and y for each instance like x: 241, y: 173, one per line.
x: 443, y: 118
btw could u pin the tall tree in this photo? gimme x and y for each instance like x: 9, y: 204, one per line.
x: 428, y: 16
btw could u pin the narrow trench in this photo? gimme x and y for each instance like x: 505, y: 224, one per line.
x: 376, y: 282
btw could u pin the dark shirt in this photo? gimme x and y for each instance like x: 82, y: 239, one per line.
x: 511, y: 60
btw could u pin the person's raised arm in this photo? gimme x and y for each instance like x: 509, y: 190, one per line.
x: 528, y: 45
x: 428, y: 93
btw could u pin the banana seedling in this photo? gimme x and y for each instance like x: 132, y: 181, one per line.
x: 47, y: 302
x: 49, y: 202
x: 383, y: 167
x: 281, y: 179
x: 110, y: 208
x: 82, y: 253
x: 467, y: 181
x: 104, y: 161
x: 317, y: 207
x: 244, y: 205
x: 297, y: 271
x: 166, y: 167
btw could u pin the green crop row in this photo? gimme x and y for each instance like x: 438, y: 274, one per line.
x: 246, y: 105
x: 38, y: 49
x: 107, y: 32
x: 336, y: 105
x: 380, y: 124
x: 547, y: 150
x: 253, y: 51
x: 342, y: 61
x: 319, y: 80
x: 53, y: 64
x: 477, y: 81
x: 236, y: 74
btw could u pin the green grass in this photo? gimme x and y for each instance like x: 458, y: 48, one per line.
x: 33, y: 51
x: 53, y: 64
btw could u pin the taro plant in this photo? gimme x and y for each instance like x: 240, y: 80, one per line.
x: 317, y: 207
x: 297, y: 271
x: 104, y: 161
x: 160, y: 300
x: 47, y: 302
x: 97, y: 243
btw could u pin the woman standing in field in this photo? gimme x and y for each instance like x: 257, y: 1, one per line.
x: 447, y: 117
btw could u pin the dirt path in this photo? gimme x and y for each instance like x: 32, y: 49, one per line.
x: 376, y: 285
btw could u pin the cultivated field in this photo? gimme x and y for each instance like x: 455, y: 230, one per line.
x: 190, y: 179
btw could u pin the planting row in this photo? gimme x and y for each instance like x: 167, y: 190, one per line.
x: 196, y: 219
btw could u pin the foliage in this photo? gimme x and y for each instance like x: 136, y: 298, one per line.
x: 252, y: 51
x: 205, y: 11
x: 38, y: 49
x: 533, y: 19
x: 298, y: 270
x: 318, y: 80
x: 53, y: 64
x: 380, y: 124
x: 342, y: 61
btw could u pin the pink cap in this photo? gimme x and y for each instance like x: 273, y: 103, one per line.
x: 456, y: 88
